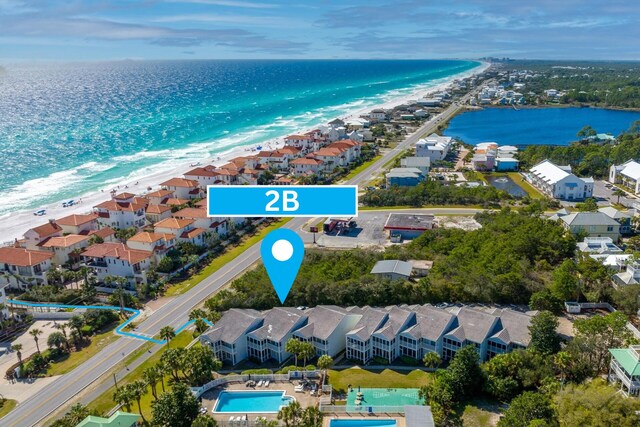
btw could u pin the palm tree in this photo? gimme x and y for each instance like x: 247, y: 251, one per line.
x: 431, y: 360
x: 197, y: 313
x: 293, y: 346
x: 62, y: 327
x: 307, y: 351
x: 290, y: 414
x: 161, y: 367
x: 200, y: 326
x: 18, y: 349
x: 138, y: 389
x: 312, y: 417
x: 57, y: 340
x: 123, y: 396
x: 35, y: 332
x: 324, y: 362
x: 151, y: 375
x: 167, y: 333
x: 77, y: 322
x: 619, y: 193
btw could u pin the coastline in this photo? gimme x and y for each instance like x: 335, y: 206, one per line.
x: 14, y: 224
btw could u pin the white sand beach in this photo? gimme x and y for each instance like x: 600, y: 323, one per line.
x: 13, y: 225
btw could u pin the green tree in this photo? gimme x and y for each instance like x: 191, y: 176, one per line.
x: 464, y: 372
x: 595, y: 404
x: 324, y: 362
x: 73, y: 417
x: 123, y: 396
x: 293, y: 347
x: 174, y: 361
x: 526, y: 408
x: 177, y: 408
x: 35, y: 333
x: 138, y: 389
x: 307, y: 351
x: 166, y: 265
x: 564, y: 281
x: 204, y: 421
x: 167, y: 333
x: 544, y: 335
x: 431, y: 360
x: 18, y: 349
x: 57, y: 340
x: 618, y: 193
x: 151, y: 376
x: 311, y: 417
x: 199, y: 363
x: 586, y: 132
x: 597, y: 335
x: 291, y: 415
x: 589, y: 205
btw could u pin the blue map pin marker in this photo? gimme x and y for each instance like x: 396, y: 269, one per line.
x: 282, y: 251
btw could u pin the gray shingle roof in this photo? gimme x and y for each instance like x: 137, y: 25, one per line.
x: 322, y: 321
x: 392, y: 266
x: 588, y: 218
x: 233, y: 325
x: 371, y: 320
x: 397, y: 319
x: 431, y: 322
x: 278, y: 322
x: 473, y: 325
x: 515, y: 327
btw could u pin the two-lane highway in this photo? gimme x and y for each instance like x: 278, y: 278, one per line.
x: 44, y: 403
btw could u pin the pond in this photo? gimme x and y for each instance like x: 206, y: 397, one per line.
x: 536, y: 126
x: 507, y: 184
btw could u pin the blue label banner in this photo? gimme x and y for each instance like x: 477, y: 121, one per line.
x: 282, y: 200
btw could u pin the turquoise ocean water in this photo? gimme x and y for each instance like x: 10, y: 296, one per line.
x: 67, y: 129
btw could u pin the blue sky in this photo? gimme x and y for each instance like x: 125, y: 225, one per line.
x: 163, y: 29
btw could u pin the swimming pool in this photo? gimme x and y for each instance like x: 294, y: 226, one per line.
x: 252, y: 401
x: 362, y: 423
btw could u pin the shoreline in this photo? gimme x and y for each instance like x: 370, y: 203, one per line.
x: 14, y: 224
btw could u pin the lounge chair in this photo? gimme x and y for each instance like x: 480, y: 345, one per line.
x: 266, y: 383
x: 260, y: 383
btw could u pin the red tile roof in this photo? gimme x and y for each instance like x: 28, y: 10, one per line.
x: 192, y: 233
x: 158, y: 209
x: 75, y: 220
x: 64, y: 241
x: 190, y: 213
x: 123, y: 196
x: 118, y: 251
x: 180, y: 182
x: 306, y: 161
x: 23, y: 257
x: 103, y: 232
x: 47, y: 229
x: 173, y: 223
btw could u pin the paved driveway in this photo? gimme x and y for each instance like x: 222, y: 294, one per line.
x: 605, y: 196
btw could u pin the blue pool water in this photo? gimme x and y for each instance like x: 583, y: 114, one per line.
x: 251, y: 401
x: 531, y: 126
x: 362, y: 423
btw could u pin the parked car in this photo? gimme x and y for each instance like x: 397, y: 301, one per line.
x: 40, y: 212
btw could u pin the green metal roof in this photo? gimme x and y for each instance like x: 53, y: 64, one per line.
x: 626, y: 359
x: 119, y: 419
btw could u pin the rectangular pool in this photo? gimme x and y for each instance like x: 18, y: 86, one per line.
x: 362, y: 423
x: 262, y: 402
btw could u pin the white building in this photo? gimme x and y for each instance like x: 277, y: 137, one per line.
x: 78, y: 224
x: 65, y: 249
x: 421, y: 163
x: 35, y: 236
x: 184, y: 188
x: 122, y: 211
x: 116, y: 259
x: 23, y: 268
x: 157, y: 243
x: 306, y: 166
x: 627, y: 174
x: 435, y: 147
x: 326, y: 328
x: 558, y: 182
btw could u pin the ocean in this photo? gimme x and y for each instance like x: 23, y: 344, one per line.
x: 68, y: 129
x: 536, y: 126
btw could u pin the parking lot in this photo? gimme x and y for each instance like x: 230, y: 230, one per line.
x: 369, y: 230
x: 604, y: 195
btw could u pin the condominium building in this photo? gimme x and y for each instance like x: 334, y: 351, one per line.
x: 368, y: 333
x: 558, y: 182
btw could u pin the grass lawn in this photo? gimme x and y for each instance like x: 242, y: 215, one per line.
x: 358, y: 377
x: 222, y: 260
x: 530, y: 189
x: 360, y: 168
x: 384, y: 208
x: 7, y: 406
x: 76, y: 358
x: 105, y: 403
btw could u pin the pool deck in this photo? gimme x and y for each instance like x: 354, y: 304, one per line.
x: 210, y: 398
x: 328, y: 417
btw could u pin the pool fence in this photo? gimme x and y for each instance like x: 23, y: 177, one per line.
x: 242, y: 378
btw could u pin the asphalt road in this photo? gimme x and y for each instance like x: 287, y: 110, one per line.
x: 94, y: 372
